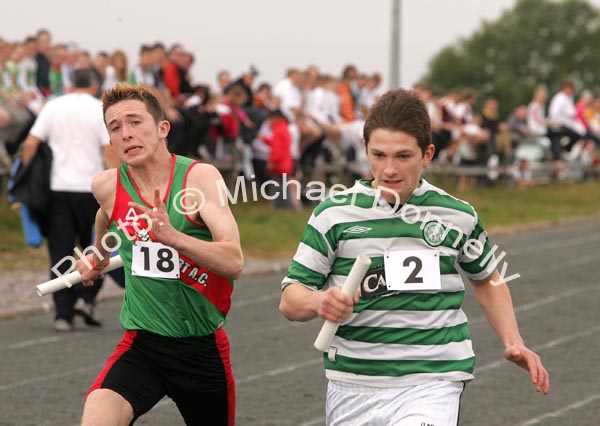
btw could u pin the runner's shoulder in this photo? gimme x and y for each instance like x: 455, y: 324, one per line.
x: 200, y: 173
x: 104, y: 184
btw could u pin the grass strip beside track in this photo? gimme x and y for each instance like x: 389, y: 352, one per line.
x: 268, y: 233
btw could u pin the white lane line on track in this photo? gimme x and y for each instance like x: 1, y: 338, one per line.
x: 521, y: 308
x: 543, y: 346
x: 269, y: 373
x: 486, y: 367
x: 83, y: 370
x: 560, y: 411
x: 543, y: 301
x: 563, y: 265
x: 40, y: 341
x: 317, y: 421
x: 277, y: 371
x: 41, y: 379
x: 274, y: 296
x: 34, y: 342
x: 553, y: 245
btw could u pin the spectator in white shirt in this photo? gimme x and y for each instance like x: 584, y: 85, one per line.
x: 537, y: 123
x: 562, y: 112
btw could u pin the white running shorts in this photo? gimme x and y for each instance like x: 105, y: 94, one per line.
x: 434, y: 403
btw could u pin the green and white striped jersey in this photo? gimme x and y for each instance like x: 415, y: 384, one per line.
x: 395, y: 338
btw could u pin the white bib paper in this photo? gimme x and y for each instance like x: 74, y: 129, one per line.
x: 410, y: 270
x: 157, y: 260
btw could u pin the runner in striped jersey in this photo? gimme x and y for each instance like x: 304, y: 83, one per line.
x: 403, y: 351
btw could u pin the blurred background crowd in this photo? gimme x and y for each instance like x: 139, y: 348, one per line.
x: 308, y: 124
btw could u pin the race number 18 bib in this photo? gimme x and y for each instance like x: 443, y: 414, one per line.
x: 154, y: 260
x: 410, y: 270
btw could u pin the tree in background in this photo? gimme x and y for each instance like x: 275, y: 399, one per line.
x: 536, y: 42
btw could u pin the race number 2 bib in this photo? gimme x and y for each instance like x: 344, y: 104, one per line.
x: 152, y: 259
x: 411, y: 270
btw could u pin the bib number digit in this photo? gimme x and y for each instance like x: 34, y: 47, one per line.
x: 413, y: 270
x: 413, y: 278
x: 146, y: 252
x: 164, y: 257
x: 150, y: 259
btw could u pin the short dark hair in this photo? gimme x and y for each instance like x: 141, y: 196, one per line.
x: 567, y: 82
x: 277, y: 114
x: 158, y: 45
x: 400, y: 111
x: 137, y: 92
x: 83, y: 78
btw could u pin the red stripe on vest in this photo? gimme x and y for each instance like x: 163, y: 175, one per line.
x: 216, y: 288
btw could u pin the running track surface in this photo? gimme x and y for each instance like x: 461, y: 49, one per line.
x: 280, y: 380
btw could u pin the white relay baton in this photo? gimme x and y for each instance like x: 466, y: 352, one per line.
x: 358, y: 271
x: 72, y: 278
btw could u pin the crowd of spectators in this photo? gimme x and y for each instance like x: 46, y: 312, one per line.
x: 241, y: 117
x: 566, y: 137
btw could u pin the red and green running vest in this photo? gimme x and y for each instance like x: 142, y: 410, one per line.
x: 197, y: 303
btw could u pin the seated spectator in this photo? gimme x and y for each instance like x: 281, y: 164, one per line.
x: 521, y: 174
x: 255, y: 115
x: 539, y: 126
x: 463, y: 109
x: 562, y: 112
x: 472, y: 149
x: 223, y: 80
x: 368, y: 94
x: 517, y: 123
x: 584, y: 111
x: 264, y: 98
x: 503, y: 144
x: 490, y: 121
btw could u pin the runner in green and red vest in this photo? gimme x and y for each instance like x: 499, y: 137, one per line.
x: 181, y: 252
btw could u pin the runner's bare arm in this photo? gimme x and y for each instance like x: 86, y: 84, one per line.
x: 103, y: 188
x: 496, y: 302
x: 299, y: 303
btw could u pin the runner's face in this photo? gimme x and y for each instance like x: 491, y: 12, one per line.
x: 134, y: 135
x: 397, y: 162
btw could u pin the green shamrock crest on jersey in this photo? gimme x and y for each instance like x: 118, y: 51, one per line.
x: 434, y: 233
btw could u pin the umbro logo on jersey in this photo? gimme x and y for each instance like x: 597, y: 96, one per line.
x: 357, y: 230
